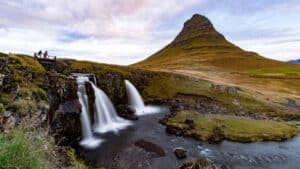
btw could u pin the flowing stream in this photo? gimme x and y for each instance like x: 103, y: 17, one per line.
x: 120, y: 151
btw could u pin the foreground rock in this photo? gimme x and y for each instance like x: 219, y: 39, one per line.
x: 199, y: 164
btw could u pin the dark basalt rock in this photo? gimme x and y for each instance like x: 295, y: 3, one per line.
x: 174, y: 130
x: 150, y: 147
x: 126, y: 113
x: 180, y: 153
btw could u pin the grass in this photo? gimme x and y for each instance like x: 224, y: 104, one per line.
x: 27, y: 61
x: 92, y: 67
x: 168, y: 87
x: 232, y: 128
x: 20, y: 150
x: 292, y: 71
x: 23, y: 106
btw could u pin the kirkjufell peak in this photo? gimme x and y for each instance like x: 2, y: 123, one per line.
x: 198, y: 25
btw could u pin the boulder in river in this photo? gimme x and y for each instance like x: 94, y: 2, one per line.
x: 180, y: 153
x: 150, y: 147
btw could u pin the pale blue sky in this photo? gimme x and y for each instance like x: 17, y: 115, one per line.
x: 126, y: 31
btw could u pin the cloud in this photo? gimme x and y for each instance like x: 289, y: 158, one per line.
x: 126, y: 31
x: 119, y: 31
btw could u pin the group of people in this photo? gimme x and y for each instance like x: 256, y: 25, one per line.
x: 42, y: 54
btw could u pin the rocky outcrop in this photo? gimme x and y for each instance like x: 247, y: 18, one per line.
x: 231, y: 90
x: 64, y: 113
x: 199, y: 103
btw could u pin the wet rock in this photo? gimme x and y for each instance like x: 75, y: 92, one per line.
x: 180, y: 153
x: 65, y: 122
x: 173, y: 130
x: 126, y: 113
x: 150, y: 147
x: 202, y: 163
x: 291, y: 103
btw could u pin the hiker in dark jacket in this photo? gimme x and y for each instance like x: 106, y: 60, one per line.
x: 40, y: 53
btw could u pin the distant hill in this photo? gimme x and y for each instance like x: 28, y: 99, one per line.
x: 295, y: 61
x: 199, y: 45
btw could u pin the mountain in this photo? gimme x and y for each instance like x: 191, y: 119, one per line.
x: 295, y: 61
x: 199, y: 44
x: 200, y: 51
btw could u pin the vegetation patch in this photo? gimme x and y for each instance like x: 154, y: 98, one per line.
x: 168, y: 87
x: 2, y: 109
x: 279, y: 72
x: 219, y: 127
x: 21, y: 150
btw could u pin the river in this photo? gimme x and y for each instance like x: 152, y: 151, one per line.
x: 118, y: 151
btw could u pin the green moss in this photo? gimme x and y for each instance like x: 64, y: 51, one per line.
x: 23, y: 106
x: 2, y: 109
x: 20, y: 150
x: 232, y: 128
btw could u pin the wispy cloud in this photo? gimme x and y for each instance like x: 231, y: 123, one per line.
x: 126, y: 31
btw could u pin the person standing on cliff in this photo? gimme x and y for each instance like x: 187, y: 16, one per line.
x: 40, y: 53
x: 46, y: 54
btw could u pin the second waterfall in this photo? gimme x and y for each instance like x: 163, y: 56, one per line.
x: 106, y: 118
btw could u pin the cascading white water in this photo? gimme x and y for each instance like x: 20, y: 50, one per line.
x: 136, y: 102
x: 88, y: 140
x: 106, y: 118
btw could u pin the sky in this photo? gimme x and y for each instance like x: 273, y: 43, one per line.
x: 127, y: 31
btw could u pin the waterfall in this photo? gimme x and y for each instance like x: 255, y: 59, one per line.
x: 106, y: 118
x: 136, y: 102
x: 88, y: 140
